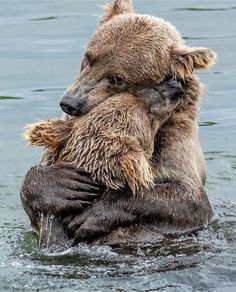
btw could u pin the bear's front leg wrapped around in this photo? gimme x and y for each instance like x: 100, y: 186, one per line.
x: 124, y: 163
x: 51, y: 134
x: 136, y: 169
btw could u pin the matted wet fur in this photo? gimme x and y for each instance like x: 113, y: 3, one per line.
x: 114, y: 141
x: 142, y: 51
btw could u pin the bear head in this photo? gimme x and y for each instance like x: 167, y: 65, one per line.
x: 129, y: 52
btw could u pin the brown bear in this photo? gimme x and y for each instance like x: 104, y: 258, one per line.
x: 130, y: 51
x: 115, y: 141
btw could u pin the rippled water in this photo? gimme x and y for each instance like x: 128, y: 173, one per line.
x: 41, y: 43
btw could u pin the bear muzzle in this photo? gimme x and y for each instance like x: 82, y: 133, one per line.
x: 72, y: 105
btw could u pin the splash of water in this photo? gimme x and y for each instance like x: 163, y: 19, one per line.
x: 45, y: 232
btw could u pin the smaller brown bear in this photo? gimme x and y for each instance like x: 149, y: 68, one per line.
x: 115, y: 141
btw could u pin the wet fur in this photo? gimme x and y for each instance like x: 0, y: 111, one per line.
x: 155, y: 51
x: 114, y: 142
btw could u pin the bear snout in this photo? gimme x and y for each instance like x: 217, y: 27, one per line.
x: 72, y: 105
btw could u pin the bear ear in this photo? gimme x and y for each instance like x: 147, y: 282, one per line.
x: 115, y: 8
x: 187, y: 59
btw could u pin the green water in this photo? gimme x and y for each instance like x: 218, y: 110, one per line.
x: 41, y: 44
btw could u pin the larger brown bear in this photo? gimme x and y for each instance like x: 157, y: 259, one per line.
x: 129, y: 51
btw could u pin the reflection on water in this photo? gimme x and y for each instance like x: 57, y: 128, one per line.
x: 41, y: 46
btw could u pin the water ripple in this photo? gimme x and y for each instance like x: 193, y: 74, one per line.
x: 205, y: 9
x: 2, y: 97
x: 44, y: 18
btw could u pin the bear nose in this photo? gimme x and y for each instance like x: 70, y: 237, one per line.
x: 72, y: 105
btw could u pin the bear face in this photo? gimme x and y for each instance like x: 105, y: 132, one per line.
x: 115, y: 141
x: 129, y: 51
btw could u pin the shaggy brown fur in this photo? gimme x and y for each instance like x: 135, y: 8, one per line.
x: 115, y: 141
x: 142, y: 51
x: 148, y: 51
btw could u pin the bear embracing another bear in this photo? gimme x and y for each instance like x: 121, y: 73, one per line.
x: 127, y: 54
x: 114, y: 141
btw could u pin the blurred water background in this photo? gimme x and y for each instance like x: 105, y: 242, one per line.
x: 41, y: 44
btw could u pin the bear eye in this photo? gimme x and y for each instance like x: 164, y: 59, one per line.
x: 88, y: 60
x: 116, y: 80
x: 84, y: 64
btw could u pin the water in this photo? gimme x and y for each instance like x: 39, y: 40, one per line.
x: 41, y: 44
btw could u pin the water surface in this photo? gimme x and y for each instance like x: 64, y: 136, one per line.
x: 41, y: 44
